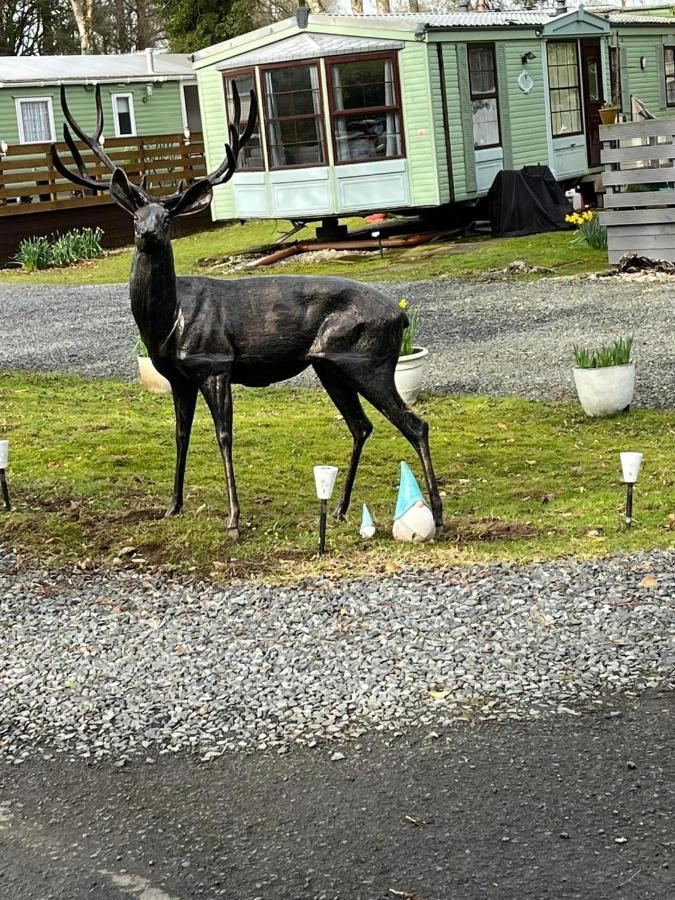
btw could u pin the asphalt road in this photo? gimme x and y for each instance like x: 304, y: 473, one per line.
x: 570, y: 807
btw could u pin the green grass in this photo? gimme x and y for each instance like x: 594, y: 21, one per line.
x: 469, y: 258
x: 92, y: 462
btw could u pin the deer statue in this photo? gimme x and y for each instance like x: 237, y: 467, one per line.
x: 204, y: 334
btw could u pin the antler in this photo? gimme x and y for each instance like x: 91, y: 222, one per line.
x: 94, y: 144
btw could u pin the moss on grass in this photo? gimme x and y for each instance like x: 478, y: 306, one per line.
x: 92, y: 465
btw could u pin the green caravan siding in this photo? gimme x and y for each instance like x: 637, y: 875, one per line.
x: 418, y: 121
x: 454, y: 121
x: 442, y: 162
x: 645, y: 84
x: 214, y: 119
x: 527, y: 112
x: 161, y: 114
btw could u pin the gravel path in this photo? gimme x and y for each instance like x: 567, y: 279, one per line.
x: 503, y: 338
x: 114, y: 665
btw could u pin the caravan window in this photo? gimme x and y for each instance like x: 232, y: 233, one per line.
x: 670, y: 74
x: 250, y: 156
x: 35, y: 119
x: 365, y: 110
x: 293, y: 116
x: 484, y: 100
x: 565, y: 92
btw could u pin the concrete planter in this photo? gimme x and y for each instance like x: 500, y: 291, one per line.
x: 150, y: 377
x: 606, y: 391
x: 409, y: 374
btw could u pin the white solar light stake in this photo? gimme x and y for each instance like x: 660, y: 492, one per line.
x: 324, y: 479
x: 630, y: 469
x: 4, y: 458
x: 378, y: 237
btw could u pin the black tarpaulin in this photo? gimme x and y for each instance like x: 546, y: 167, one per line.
x: 527, y: 201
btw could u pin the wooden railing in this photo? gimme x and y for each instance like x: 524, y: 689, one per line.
x: 29, y: 183
x: 639, y: 181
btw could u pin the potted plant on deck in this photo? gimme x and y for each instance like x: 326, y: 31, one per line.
x: 412, y: 361
x: 147, y: 373
x: 605, y: 377
x: 609, y: 112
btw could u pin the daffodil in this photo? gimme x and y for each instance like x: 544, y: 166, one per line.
x: 403, y: 303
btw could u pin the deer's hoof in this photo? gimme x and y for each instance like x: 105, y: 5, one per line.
x: 233, y: 533
x: 173, y: 510
x: 339, y: 514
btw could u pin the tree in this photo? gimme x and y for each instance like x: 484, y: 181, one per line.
x: 29, y: 27
x: 83, y: 10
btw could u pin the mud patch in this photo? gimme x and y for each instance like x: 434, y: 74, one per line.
x: 467, y: 531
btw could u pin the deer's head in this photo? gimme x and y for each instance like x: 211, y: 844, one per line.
x: 152, y: 215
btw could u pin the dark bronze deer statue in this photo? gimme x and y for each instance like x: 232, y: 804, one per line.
x: 204, y: 334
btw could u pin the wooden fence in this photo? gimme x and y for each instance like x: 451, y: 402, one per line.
x: 639, y: 181
x: 29, y: 183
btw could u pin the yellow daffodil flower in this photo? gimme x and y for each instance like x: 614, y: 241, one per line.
x: 403, y: 303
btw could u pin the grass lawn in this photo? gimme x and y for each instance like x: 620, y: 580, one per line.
x: 92, y: 461
x: 470, y: 258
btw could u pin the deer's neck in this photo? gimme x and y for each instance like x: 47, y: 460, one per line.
x: 153, y: 295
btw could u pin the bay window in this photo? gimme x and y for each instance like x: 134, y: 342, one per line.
x: 365, y: 108
x: 293, y: 116
x: 484, y: 99
x: 250, y: 155
x: 564, y: 88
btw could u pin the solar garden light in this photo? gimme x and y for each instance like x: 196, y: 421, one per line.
x: 324, y: 479
x: 630, y: 468
x: 4, y: 456
x: 378, y: 237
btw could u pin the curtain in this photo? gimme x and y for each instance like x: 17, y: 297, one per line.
x: 340, y: 123
x: 35, y: 121
x: 392, y: 145
x: 316, y: 104
x: 276, y: 143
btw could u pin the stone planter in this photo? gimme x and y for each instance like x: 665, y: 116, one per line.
x: 606, y: 391
x: 409, y: 373
x: 150, y: 377
x: 608, y: 116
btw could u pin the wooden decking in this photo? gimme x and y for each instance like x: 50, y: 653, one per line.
x: 36, y: 200
x: 639, y: 180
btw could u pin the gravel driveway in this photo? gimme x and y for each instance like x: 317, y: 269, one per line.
x: 503, y: 338
x: 111, y: 665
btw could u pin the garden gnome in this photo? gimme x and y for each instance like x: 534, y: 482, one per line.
x: 367, y: 529
x: 413, y: 520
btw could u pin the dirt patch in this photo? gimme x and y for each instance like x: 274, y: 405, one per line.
x: 467, y: 531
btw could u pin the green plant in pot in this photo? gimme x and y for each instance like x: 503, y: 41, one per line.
x: 609, y: 112
x: 148, y: 375
x: 412, y: 361
x: 604, y: 377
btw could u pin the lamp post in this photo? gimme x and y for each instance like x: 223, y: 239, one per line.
x: 630, y: 468
x: 4, y: 456
x: 324, y: 479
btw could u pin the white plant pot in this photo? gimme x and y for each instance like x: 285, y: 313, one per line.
x: 606, y: 391
x: 150, y: 377
x: 409, y: 374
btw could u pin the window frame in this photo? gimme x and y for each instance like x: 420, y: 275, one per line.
x: 667, y: 47
x: 132, y: 113
x: 321, y: 115
x: 334, y: 113
x: 579, y: 88
x: 492, y: 96
x: 18, y: 102
x: 262, y: 121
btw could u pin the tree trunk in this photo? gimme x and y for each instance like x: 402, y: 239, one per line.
x: 382, y: 7
x: 83, y: 11
x: 414, y: 6
x: 357, y: 7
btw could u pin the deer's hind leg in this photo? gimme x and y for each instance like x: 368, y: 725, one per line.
x: 184, y: 402
x: 346, y: 399
x: 378, y: 387
x: 217, y: 391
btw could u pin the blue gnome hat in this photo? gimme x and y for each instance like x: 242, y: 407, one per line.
x: 366, y: 518
x: 408, y: 492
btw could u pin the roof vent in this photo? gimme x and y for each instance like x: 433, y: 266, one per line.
x: 302, y: 15
x: 150, y: 60
x: 560, y: 7
x: 464, y: 5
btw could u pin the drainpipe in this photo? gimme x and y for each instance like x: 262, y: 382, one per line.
x: 150, y: 60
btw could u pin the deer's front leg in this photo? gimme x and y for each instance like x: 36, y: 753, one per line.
x: 184, y: 401
x: 217, y: 391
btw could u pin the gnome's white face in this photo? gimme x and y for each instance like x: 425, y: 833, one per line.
x: 415, y: 525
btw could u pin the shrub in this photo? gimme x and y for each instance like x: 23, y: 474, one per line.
x: 616, y: 354
x: 590, y: 232
x: 62, y: 250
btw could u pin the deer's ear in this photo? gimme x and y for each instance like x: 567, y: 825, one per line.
x: 196, y: 198
x: 123, y: 192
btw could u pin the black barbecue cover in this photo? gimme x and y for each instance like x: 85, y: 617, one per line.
x: 527, y: 201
